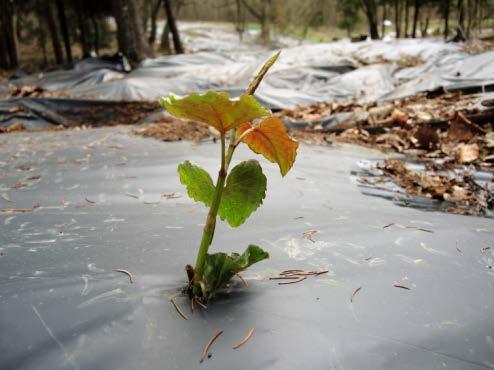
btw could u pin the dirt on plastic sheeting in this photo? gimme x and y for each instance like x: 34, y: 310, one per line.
x: 451, y: 134
x: 39, y: 114
x: 172, y: 129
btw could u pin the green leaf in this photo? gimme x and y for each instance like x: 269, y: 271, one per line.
x: 198, y: 182
x: 243, y: 194
x: 215, y: 109
x: 219, y: 268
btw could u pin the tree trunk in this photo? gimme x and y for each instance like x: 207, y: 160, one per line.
x: 385, y: 15
x: 165, y: 35
x: 165, y: 39
x: 65, y: 31
x: 398, y: 18
x: 415, y: 18
x: 83, y: 34
x: 447, y: 5
x: 145, y: 12
x: 130, y: 33
x: 41, y: 31
x: 424, y: 24
x: 262, y: 16
x: 240, y: 20
x: 55, y: 39
x: 154, y: 17
x: 407, y: 8
x: 480, y: 16
x: 470, y: 9
x: 8, y: 22
x: 266, y: 13
x: 94, y: 21
x: 4, y: 52
x: 461, y: 15
x: 173, y: 27
x: 370, y: 10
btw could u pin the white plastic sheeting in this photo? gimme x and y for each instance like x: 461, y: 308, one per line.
x: 305, y: 73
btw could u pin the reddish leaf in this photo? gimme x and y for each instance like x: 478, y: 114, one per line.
x: 271, y: 140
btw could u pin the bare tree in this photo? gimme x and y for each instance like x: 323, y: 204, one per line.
x: 9, y: 53
x: 398, y: 18
x: 446, y: 6
x: 473, y: 10
x: 170, y: 21
x: 52, y: 26
x: 370, y: 9
x: 415, y: 17
x: 384, y: 17
x: 165, y: 35
x: 65, y: 32
x: 130, y: 33
x: 41, y: 31
x: 460, y: 11
x: 425, y: 19
x: 154, y: 17
x: 407, y: 15
x: 262, y: 12
x: 239, y: 19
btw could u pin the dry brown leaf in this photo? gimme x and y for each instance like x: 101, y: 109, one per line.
x: 468, y: 153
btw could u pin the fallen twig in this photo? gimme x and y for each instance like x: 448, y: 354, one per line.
x: 420, y: 229
x: 209, y: 344
x: 293, y: 282
x: 247, y: 337
x: 284, y: 278
x: 90, y: 201
x: 317, y: 273
x: 172, y: 300
x: 354, y: 293
x: 307, y: 273
x: 288, y: 272
x: 401, y: 286
x: 192, y: 304
x: 16, y: 210
x: 388, y: 225
x: 170, y: 195
x: 128, y: 273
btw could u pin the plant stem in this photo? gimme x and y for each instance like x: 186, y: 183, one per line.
x: 208, y: 233
x: 209, y: 227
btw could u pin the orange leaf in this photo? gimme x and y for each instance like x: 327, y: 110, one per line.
x: 271, y: 140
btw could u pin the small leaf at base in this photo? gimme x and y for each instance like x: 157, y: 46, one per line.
x: 219, y: 268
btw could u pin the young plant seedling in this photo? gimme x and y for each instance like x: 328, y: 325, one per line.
x: 238, y: 193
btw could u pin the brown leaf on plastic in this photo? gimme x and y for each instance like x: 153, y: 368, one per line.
x: 459, y: 131
x: 468, y: 153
